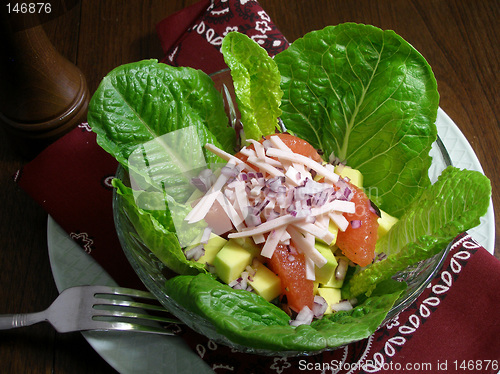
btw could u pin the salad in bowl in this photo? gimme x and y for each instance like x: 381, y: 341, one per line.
x: 299, y: 216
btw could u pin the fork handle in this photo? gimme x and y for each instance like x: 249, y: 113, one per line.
x: 12, y: 321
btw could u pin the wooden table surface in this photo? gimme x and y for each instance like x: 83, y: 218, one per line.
x: 459, y: 38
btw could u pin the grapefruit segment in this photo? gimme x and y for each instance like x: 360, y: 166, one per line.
x: 291, y: 269
x: 358, y: 241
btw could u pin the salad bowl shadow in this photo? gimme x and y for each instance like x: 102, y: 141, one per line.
x: 154, y: 274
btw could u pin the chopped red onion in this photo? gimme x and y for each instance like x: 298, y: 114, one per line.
x: 244, y: 280
x: 321, y: 198
x: 200, y: 184
x: 251, y: 271
x: 304, y: 317
x: 341, y: 270
x: 275, y: 183
x: 253, y: 217
x: 210, y: 268
x: 195, y: 253
x: 204, y: 180
x: 347, y: 193
x: 229, y: 171
x: 269, y: 194
x: 259, y: 208
x: 319, y: 306
x: 356, y: 224
x: 343, y: 305
x: 206, y: 235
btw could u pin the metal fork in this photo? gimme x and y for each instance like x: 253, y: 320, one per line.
x: 99, y: 308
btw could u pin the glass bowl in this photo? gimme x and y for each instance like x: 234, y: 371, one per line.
x: 154, y: 273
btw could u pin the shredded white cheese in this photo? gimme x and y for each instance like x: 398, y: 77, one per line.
x: 273, y: 198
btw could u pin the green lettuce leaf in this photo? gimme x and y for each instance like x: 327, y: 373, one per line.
x: 450, y: 206
x: 256, y: 82
x: 166, y: 165
x: 137, y: 102
x: 368, y: 97
x: 247, y: 319
x: 156, y: 228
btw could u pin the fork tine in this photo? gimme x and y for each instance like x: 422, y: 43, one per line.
x: 130, y: 304
x: 132, y: 315
x: 100, y: 325
x: 109, y: 303
x: 131, y: 292
x: 122, y: 291
x: 125, y: 297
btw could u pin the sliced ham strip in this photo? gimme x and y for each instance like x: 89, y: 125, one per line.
x: 263, y: 158
x: 305, y: 242
x: 228, y: 157
x: 266, y: 226
x: 265, y: 167
x: 278, y: 143
x: 341, y: 222
x: 272, y: 241
x: 306, y: 161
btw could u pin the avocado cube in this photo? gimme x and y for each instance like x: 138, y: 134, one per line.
x: 265, y: 283
x: 231, y: 261
x: 248, y: 244
x: 385, y: 222
x: 324, y: 273
x: 334, y: 229
x: 212, y: 247
x: 333, y: 282
x: 331, y: 295
x: 315, y: 288
x: 355, y: 176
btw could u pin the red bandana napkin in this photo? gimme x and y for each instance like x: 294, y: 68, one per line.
x: 452, y: 327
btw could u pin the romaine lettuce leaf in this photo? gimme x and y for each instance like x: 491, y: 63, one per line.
x: 140, y: 101
x: 450, y: 206
x: 256, y: 82
x: 166, y: 165
x: 247, y: 319
x: 156, y: 228
x: 370, y: 98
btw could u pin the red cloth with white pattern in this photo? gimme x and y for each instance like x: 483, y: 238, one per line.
x: 453, y: 326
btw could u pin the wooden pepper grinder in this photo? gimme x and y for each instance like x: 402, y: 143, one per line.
x: 42, y: 94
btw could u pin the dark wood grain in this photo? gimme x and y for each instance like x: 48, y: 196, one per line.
x: 459, y: 38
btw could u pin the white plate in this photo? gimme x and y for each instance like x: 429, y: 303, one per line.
x: 144, y: 353
x: 126, y: 352
x: 462, y: 156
